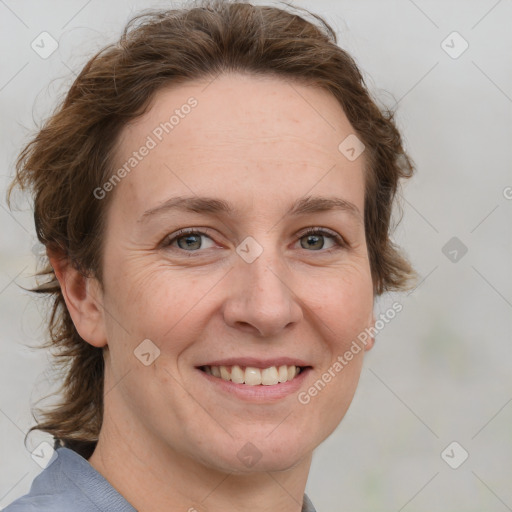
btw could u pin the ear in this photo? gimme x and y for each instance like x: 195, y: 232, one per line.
x: 84, y: 300
x: 371, y: 340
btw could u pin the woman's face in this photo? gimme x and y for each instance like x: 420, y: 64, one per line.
x: 253, y: 289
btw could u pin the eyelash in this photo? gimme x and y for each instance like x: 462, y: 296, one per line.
x: 338, y: 240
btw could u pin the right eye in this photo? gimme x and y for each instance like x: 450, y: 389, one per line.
x: 188, y: 238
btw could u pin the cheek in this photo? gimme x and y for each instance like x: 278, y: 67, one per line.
x: 344, y: 304
x: 159, y: 302
x: 347, y: 312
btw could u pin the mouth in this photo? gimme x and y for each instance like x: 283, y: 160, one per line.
x: 254, y: 380
x: 253, y: 376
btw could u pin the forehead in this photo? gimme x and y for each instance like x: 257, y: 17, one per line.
x: 237, y: 132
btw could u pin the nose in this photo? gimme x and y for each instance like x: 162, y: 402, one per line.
x: 261, y: 299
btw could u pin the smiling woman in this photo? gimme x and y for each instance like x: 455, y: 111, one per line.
x: 202, y: 292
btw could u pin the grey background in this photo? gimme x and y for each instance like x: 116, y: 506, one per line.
x: 440, y: 371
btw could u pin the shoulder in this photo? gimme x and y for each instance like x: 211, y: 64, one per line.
x: 70, y: 483
x: 43, y: 494
x: 40, y: 503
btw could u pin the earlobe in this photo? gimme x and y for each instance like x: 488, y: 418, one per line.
x: 83, y: 299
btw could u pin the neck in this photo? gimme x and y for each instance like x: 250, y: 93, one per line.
x: 155, y: 478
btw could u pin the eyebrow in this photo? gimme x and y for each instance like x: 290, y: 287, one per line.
x: 305, y: 205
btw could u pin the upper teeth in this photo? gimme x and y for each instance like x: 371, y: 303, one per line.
x: 254, y: 376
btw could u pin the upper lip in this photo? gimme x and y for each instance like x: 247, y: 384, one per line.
x: 256, y: 362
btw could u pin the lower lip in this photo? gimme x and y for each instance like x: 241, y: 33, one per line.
x: 260, y: 393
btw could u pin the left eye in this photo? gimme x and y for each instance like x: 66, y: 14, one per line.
x: 314, y: 237
x: 314, y: 234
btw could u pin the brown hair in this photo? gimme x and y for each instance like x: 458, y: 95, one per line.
x: 72, y: 155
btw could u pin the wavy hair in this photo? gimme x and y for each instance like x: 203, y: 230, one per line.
x: 72, y: 155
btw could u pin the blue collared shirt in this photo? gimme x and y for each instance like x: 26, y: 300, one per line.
x: 71, y: 484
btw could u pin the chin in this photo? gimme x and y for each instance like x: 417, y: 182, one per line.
x: 263, y: 453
